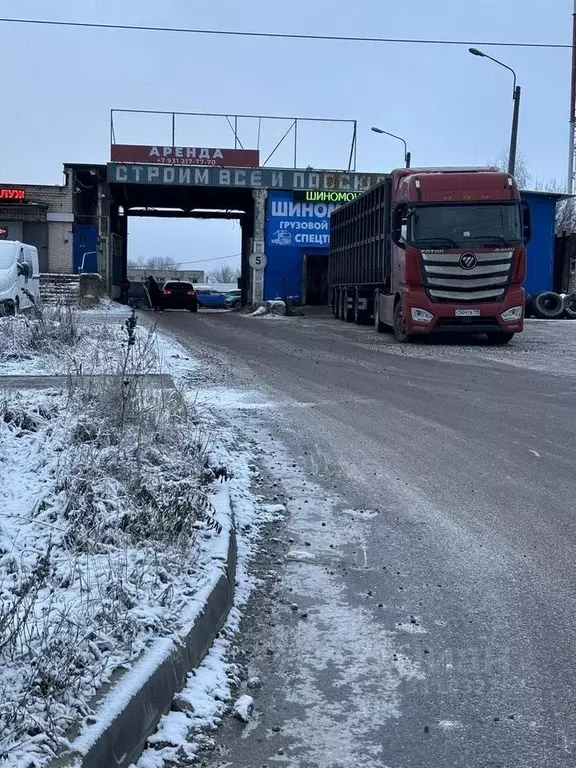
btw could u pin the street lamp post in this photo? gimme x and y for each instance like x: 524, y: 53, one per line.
x: 406, y: 153
x: 516, y: 93
x: 572, y: 108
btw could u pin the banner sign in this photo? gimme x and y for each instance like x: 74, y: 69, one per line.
x: 319, y: 196
x: 12, y: 195
x: 138, y: 153
x: 271, y: 178
x: 296, y: 223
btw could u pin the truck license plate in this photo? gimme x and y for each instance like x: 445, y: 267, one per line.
x: 467, y: 313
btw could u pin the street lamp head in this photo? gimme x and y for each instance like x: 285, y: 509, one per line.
x: 376, y: 130
x: 476, y: 52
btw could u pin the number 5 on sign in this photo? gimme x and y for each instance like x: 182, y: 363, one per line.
x: 258, y: 261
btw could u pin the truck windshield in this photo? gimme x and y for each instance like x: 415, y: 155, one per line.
x: 464, y: 225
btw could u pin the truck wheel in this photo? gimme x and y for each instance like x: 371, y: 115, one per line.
x: 378, y: 325
x: 498, y: 339
x: 400, y: 325
x: 548, y: 305
x: 528, y: 306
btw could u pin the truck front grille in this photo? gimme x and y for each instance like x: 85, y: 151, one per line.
x: 447, y: 281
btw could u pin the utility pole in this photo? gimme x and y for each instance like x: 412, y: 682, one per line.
x: 572, y: 108
x: 516, y: 92
x: 514, y: 137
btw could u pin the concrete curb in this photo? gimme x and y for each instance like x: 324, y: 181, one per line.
x: 135, y: 700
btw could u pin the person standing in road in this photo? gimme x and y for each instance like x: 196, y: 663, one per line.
x: 154, y: 294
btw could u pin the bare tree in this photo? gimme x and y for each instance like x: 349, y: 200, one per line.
x: 154, y: 262
x: 565, y: 209
x: 522, y: 171
x: 224, y: 274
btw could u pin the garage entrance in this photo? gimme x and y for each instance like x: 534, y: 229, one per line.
x: 315, y: 279
x: 167, y: 202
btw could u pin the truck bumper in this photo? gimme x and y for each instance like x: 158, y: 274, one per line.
x: 445, y: 319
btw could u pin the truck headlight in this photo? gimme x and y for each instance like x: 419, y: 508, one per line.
x: 512, y: 314
x: 421, y: 315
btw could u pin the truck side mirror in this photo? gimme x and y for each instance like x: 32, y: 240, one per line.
x: 398, y: 221
x: 526, y: 222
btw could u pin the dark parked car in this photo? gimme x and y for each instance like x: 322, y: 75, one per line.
x: 178, y: 294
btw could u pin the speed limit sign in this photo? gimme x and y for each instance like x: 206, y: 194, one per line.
x: 258, y: 261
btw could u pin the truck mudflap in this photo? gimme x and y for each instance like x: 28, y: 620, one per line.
x: 464, y: 318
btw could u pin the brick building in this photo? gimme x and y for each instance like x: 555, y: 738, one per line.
x: 41, y: 215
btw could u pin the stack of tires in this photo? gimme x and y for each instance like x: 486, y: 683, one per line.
x: 570, y: 306
x: 545, y: 306
x: 551, y: 306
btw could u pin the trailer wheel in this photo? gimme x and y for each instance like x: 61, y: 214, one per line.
x: 548, y: 305
x: 342, y: 304
x: 400, y: 332
x: 378, y: 325
x: 356, y: 312
x: 346, y: 314
x: 498, y: 339
x: 570, y: 306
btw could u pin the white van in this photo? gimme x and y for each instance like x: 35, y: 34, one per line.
x: 19, y: 276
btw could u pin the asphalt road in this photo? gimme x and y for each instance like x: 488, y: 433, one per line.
x: 431, y: 498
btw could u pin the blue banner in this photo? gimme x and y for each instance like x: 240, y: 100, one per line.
x: 298, y: 224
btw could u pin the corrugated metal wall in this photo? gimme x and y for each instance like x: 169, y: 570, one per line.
x: 360, y: 246
x: 540, y: 270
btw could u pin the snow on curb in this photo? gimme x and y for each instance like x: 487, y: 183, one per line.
x: 129, y: 709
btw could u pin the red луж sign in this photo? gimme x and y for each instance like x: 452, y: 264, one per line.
x: 12, y: 195
x: 138, y: 153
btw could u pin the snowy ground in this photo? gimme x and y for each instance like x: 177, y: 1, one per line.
x: 393, y: 571
x: 323, y: 626
x: 545, y: 345
x: 223, y: 413
x: 107, y: 526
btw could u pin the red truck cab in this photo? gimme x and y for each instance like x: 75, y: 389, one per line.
x: 458, y: 254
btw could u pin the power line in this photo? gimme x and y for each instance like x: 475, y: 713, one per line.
x: 143, y: 264
x: 282, y: 35
x: 205, y: 261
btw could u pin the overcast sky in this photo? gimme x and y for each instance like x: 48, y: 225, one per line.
x: 453, y: 108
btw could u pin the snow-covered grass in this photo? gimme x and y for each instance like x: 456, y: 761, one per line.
x: 107, y: 529
x: 38, y: 341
